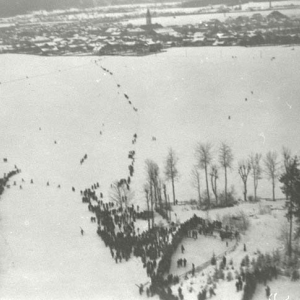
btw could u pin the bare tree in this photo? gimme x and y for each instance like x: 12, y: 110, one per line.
x: 272, y: 169
x: 214, y: 177
x: 204, y: 157
x: 287, y: 157
x: 256, y: 170
x: 120, y: 193
x: 171, y: 171
x: 168, y: 210
x: 159, y: 192
x: 195, y: 174
x: 225, y: 159
x: 146, y: 190
x: 152, y: 171
x: 244, y: 169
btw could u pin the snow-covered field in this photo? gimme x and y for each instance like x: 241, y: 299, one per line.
x: 183, y: 96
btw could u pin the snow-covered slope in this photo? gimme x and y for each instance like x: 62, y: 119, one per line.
x: 52, y: 112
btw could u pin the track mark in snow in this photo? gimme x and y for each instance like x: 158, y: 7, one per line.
x: 289, y: 105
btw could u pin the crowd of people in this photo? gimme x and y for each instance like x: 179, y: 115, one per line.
x: 262, y: 270
x: 6, y: 177
x: 155, y: 246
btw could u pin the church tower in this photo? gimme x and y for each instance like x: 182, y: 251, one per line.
x: 148, y: 18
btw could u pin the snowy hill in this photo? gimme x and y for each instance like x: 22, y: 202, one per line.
x: 53, y: 110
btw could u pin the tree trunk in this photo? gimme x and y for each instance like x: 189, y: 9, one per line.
x: 273, y: 188
x: 216, y: 194
x: 198, y: 188
x: 173, y: 188
x: 147, y: 197
x: 155, y: 194
x: 166, y: 201
x: 291, y: 227
x: 214, y: 187
x: 225, y: 169
x: 207, y: 188
x: 245, y: 191
x: 255, y: 187
x: 169, y: 204
x: 151, y: 199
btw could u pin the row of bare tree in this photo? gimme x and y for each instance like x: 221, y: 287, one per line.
x: 155, y: 189
x: 255, y: 165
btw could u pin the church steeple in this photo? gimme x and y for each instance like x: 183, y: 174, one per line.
x: 148, y: 18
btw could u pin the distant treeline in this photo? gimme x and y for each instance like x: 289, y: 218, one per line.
x: 200, y: 3
x: 10, y: 8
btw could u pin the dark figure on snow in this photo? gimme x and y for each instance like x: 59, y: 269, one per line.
x: 180, y: 293
x: 31, y: 181
x: 268, y: 291
x: 182, y: 249
x: 211, y: 292
x: 237, y: 285
x: 240, y: 284
x: 193, y: 270
x: 245, y: 249
x: 179, y: 263
x: 73, y: 189
x: 224, y: 260
x: 204, y: 294
x: 47, y: 183
x: 141, y: 289
x: 81, y: 230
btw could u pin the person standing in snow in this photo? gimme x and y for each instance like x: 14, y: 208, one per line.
x: 268, y: 291
x: 141, y: 289
x: 81, y: 230
x: 237, y: 285
x: 182, y: 249
x: 180, y: 293
x: 224, y: 260
x: 212, y: 292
